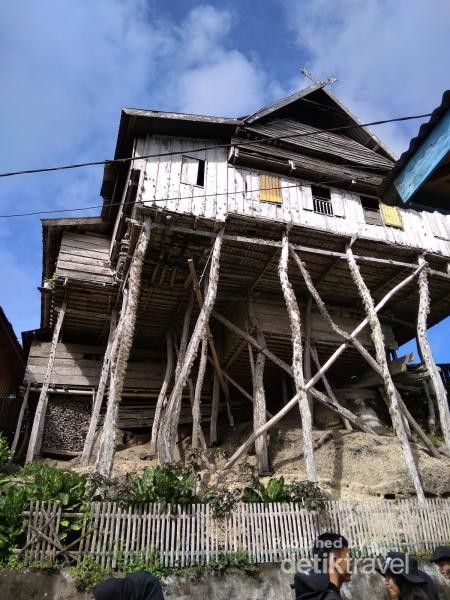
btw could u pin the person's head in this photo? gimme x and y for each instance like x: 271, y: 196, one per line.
x: 398, y: 587
x: 402, y: 577
x: 331, y: 555
x: 441, y: 558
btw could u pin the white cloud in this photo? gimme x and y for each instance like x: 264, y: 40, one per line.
x: 67, y: 68
x: 391, y: 58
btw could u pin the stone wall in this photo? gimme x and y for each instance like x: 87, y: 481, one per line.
x: 271, y: 583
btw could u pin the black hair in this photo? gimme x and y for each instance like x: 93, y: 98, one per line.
x: 327, y: 543
x: 411, y: 591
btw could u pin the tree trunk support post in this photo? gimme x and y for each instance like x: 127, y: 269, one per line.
x: 37, y: 432
x: 259, y: 396
x: 162, y: 396
x: 297, y: 359
x: 212, y: 346
x: 104, y: 375
x: 121, y: 351
x: 167, y: 440
x: 424, y: 344
x: 309, y: 385
x: 196, y: 426
x: 20, y: 419
x: 391, y: 392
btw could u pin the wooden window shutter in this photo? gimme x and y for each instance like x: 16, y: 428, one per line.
x: 391, y: 215
x: 338, y: 204
x: 269, y: 189
x: 307, y: 198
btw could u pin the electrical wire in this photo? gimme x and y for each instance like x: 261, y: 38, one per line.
x: 195, y: 150
x: 177, y: 198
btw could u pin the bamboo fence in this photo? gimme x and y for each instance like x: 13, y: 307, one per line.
x: 183, y: 535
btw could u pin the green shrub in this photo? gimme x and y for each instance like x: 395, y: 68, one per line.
x: 5, y: 452
x: 88, y: 574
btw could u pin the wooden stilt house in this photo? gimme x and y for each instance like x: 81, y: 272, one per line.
x: 240, y: 269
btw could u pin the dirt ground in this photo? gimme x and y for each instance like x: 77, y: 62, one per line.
x: 350, y: 465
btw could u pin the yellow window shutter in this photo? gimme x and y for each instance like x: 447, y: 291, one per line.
x: 391, y: 215
x: 269, y: 189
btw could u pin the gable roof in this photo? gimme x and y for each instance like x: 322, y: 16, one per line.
x: 319, y: 97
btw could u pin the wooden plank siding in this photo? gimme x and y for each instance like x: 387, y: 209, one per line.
x: 229, y: 190
x: 85, y: 257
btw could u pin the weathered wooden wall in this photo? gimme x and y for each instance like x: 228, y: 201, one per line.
x: 85, y: 257
x: 231, y: 190
x: 11, y: 374
x: 79, y: 365
x: 274, y: 321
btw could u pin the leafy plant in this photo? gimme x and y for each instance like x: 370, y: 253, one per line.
x: 221, y: 501
x: 88, y: 574
x: 5, y: 452
x: 308, y: 494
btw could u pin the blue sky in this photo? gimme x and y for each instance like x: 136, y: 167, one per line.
x: 68, y: 67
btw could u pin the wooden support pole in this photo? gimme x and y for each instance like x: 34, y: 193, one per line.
x: 431, y: 409
x: 307, y: 353
x: 297, y: 359
x: 333, y: 404
x: 184, y: 334
x: 424, y: 344
x: 324, y: 311
x: 288, y: 407
x: 259, y: 396
x: 212, y: 346
x: 198, y: 392
x: 251, y: 340
x: 236, y: 385
x: 37, y: 432
x: 20, y: 419
x: 160, y: 403
x: 214, y: 410
x: 167, y: 439
x: 104, y: 375
x: 359, y: 347
x: 330, y: 393
x: 121, y: 353
x: 391, y: 392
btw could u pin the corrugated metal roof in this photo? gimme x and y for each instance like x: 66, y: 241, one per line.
x: 415, y: 142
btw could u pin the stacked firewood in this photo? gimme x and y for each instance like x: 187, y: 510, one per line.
x: 66, y: 423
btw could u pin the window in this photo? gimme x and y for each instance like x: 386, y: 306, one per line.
x: 391, y: 215
x: 371, y: 210
x: 269, y: 189
x: 192, y: 171
x: 377, y: 213
x: 322, y: 200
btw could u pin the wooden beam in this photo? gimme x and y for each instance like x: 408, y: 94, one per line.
x: 198, y: 393
x: 297, y: 359
x: 35, y: 443
x: 121, y: 352
x: 20, y: 419
x: 212, y: 346
x: 425, y: 347
x: 214, y: 410
x: 169, y: 426
x: 301, y: 248
x: 391, y: 392
x: 104, y: 376
x: 314, y: 355
x: 288, y: 407
x: 259, y: 396
x: 162, y: 397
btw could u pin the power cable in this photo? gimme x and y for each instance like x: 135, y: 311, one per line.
x: 178, y: 198
x: 195, y: 150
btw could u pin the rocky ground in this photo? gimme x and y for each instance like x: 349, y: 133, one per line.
x: 350, y: 465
